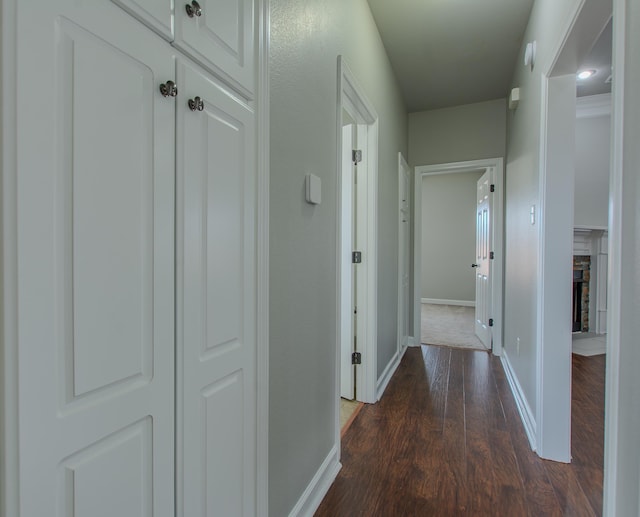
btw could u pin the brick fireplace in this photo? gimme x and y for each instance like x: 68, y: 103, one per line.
x: 580, y: 298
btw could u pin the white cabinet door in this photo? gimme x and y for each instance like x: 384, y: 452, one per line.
x: 216, y: 304
x: 220, y: 38
x: 156, y: 14
x: 95, y: 210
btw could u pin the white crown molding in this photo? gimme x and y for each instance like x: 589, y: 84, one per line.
x: 594, y: 106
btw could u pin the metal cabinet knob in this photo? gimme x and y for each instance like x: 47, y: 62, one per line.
x: 193, y: 9
x: 169, y: 89
x: 474, y: 265
x: 196, y: 104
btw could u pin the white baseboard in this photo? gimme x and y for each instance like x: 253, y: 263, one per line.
x: 391, y: 368
x: 526, y: 415
x: 413, y: 341
x: 316, y: 490
x: 438, y: 301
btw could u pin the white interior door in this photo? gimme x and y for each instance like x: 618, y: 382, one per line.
x: 482, y: 263
x: 404, y: 224
x: 95, y: 148
x: 216, y: 350
x: 347, y: 378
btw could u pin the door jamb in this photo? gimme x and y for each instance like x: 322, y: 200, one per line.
x: 352, y: 99
x: 497, y: 240
x: 614, y: 447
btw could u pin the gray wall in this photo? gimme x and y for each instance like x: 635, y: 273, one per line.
x: 593, y: 136
x: 623, y: 468
x: 546, y: 26
x: 306, y: 38
x: 462, y: 133
x: 448, y: 235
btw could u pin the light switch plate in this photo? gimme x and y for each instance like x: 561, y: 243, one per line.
x: 313, y: 189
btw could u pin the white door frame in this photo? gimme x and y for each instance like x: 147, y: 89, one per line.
x: 404, y: 252
x: 352, y: 100
x: 497, y: 240
x: 552, y: 438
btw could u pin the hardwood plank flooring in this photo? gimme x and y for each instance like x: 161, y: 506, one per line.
x: 446, y: 439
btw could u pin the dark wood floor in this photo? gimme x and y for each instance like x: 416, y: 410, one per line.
x: 446, y: 439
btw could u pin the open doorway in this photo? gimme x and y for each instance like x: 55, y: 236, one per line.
x: 591, y: 198
x: 357, y: 244
x: 483, y: 181
x: 552, y: 436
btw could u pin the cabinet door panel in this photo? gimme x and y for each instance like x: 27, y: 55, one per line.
x: 221, y: 39
x: 216, y: 301
x: 96, y: 247
x: 156, y: 14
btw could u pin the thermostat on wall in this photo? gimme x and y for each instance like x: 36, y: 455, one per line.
x: 314, y: 189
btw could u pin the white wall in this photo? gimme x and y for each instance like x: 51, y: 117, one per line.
x: 306, y: 38
x: 593, y: 137
x: 448, y: 236
x: 462, y: 133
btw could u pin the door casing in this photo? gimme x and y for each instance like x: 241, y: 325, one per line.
x: 352, y: 100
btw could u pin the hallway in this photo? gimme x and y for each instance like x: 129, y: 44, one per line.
x: 446, y: 439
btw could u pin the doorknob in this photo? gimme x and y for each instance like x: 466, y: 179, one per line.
x: 194, y: 9
x: 169, y: 89
x: 475, y: 265
x: 196, y: 104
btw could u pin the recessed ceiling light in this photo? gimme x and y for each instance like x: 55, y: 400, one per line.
x: 585, y: 74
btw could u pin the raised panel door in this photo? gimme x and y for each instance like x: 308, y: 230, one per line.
x: 156, y: 14
x: 216, y: 268
x: 482, y: 266
x: 96, y: 263
x: 220, y: 38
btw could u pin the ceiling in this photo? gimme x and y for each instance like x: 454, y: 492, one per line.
x: 599, y: 59
x: 452, y: 52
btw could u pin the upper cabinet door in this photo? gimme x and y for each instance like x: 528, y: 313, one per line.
x: 95, y: 212
x: 219, y: 35
x: 156, y: 14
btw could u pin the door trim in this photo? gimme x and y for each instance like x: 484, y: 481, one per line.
x: 9, y: 432
x: 497, y: 240
x: 352, y: 99
x: 262, y: 260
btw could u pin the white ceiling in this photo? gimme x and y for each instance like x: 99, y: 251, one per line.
x: 599, y: 59
x: 452, y: 52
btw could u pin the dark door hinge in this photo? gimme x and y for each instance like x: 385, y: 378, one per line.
x: 356, y: 156
x: 492, y: 188
x: 356, y: 358
x: 491, y: 256
x: 491, y: 322
x: 356, y: 257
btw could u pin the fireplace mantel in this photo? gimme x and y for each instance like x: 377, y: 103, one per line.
x: 589, y: 240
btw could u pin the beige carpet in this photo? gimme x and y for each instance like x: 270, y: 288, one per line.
x: 449, y: 325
